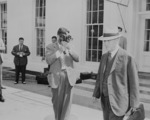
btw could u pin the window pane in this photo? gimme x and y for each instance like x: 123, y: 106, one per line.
x: 100, y: 30
x: 89, y: 5
x: 100, y: 16
x: 100, y: 44
x: 94, y: 55
x: 95, y: 28
x: 88, y: 17
x: 89, y: 28
x: 99, y: 55
x: 146, y: 46
x: 147, y: 23
x: 95, y: 5
x: 37, y: 3
x: 94, y: 43
x: 94, y: 20
x: 147, y: 35
x: 101, y: 4
x: 88, y: 55
x: 89, y: 43
x: 148, y: 7
x: 148, y: 1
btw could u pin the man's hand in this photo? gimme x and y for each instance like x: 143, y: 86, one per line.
x: 18, y: 53
x: 23, y: 54
x: 95, y: 100
x: 67, y: 46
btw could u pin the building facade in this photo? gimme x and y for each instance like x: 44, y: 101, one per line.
x: 38, y: 20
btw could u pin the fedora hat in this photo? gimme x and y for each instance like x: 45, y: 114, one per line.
x: 110, y: 34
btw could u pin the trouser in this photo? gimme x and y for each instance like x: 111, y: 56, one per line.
x: 107, y: 111
x: 62, y: 98
x: 0, y: 80
x: 22, y: 69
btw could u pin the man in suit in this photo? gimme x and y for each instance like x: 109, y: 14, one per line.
x: 62, y: 75
x: 20, y: 52
x: 2, y: 48
x: 54, y: 40
x: 123, y: 40
x: 117, y: 82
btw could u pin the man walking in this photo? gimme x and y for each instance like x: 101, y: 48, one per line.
x: 2, y: 48
x: 20, y: 52
x: 61, y: 57
x: 117, y: 82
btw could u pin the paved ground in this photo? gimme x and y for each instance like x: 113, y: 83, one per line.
x: 23, y: 103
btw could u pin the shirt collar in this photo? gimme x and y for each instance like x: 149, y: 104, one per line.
x: 113, y: 53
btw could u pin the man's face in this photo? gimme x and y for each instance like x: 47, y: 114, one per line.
x: 111, y: 44
x: 54, y: 40
x: 21, y: 42
x: 61, y: 39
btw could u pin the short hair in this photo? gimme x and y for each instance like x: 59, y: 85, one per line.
x: 62, y: 31
x: 21, y: 38
x: 54, y: 37
x: 120, y: 28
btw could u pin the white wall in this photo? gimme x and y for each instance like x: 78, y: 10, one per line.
x: 19, y: 17
x: 60, y: 13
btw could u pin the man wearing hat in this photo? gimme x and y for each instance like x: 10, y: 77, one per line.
x: 117, y: 82
x: 62, y: 74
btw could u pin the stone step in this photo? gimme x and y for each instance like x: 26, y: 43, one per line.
x: 86, y: 96
x: 144, y: 75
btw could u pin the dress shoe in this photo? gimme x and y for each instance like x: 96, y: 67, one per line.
x: 2, y: 99
x: 15, y: 82
x: 23, y: 82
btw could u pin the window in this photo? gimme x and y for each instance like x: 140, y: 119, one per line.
x: 147, y: 5
x: 40, y: 27
x: 94, y: 26
x: 147, y: 35
x: 3, y: 27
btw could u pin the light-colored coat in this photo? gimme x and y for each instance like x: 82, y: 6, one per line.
x: 122, y: 82
x: 55, y: 65
x: 2, y: 48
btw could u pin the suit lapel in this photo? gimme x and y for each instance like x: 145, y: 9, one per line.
x: 103, y: 63
x: 116, y: 60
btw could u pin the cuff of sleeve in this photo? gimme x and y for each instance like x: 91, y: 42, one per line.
x: 58, y: 54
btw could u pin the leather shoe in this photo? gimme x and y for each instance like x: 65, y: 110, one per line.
x: 2, y: 99
x: 23, y: 82
x: 15, y: 82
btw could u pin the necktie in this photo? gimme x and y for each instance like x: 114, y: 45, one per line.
x: 20, y: 48
x: 109, y: 58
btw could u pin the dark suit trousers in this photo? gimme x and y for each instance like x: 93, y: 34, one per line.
x: 22, y: 69
x: 107, y: 111
x: 62, y: 98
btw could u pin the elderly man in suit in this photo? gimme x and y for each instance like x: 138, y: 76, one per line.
x: 117, y: 82
x: 62, y: 74
x: 20, y: 52
x: 2, y: 48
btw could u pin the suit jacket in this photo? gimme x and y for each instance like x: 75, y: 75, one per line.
x: 123, y: 43
x: 122, y: 82
x: 20, y: 60
x: 55, y: 64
